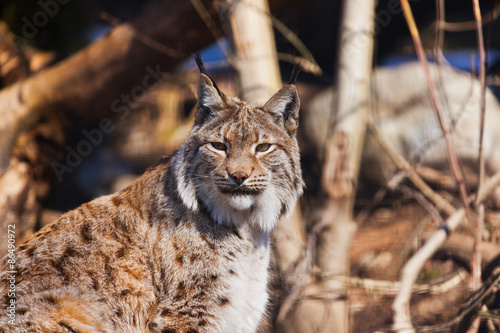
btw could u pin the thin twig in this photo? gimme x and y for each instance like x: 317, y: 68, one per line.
x: 212, y: 26
x: 438, y: 54
x: 450, y: 149
x: 412, y: 239
x: 473, y: 303
x: 476, y: 258
x: 476, y: 254
x: 305, y: 64
x: 391, y: 288
x: 470, y: 25
x: 438, y: 45
x: 296, y: 42
x: 482, y: 80
x: 403, y: 164
x: 488, y: 186
x: 429, y: 207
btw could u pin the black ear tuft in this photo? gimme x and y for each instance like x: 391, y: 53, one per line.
x: 295, y: 73
x: 203, y: 70
x: 199, y: 63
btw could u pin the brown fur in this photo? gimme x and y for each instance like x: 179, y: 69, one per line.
x: 159, y: 256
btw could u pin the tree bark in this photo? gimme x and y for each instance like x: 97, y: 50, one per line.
x: 323, y: 306
x: 259, y: 78
x: 256, y: 58
x: 341, y: 168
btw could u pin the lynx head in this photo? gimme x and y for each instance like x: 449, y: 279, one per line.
x: 241, y: 161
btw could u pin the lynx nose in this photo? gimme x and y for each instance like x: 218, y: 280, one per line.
x: 239, y: 177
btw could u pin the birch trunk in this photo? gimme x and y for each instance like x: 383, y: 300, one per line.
x: 323, y: 302
x: 255, y: 52
x: 259, y: 78
x: 341, y: 168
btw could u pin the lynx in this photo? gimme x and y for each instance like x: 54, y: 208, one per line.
x: 183, y: 249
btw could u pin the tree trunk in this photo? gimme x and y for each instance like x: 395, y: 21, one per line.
x: 256, y: 58
x: 259, y: 78
x: 325, y: 306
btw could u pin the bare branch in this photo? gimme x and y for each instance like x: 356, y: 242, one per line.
x: 401, y: 304
x: 476, y: 258
x: 390, y: 288
x: 470, y: 25
x: 403, y: 164
x: 450, y: 148
x: 473, y: 304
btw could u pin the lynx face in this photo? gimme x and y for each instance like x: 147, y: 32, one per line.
x: 241, y: 161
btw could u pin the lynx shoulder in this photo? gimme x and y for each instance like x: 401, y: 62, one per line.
x: 183, y: 249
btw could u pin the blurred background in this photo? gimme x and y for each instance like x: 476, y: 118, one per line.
x: 94, y: 92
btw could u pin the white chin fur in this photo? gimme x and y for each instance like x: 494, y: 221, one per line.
x: 260, y: 211
x: 241, y: 202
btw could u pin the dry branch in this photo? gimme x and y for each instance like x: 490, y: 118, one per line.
x: 401, y: 304
x: 476, y: 258
x: 461, y: 248
x: 322, y: 305
x: 402, y: 320
x: 403, y: 164
x: 490, y: 17
x: 342, y: 162
x: 391, y: 288
x: 455, y: 168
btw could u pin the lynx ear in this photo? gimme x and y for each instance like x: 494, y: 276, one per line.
x: 210, y: 100
x: 285, y: 104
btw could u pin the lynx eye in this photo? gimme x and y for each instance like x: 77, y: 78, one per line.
x: 263, y: 147
x: 218, y: 145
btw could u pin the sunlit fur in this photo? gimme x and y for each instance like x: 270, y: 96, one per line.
x: 183, y: 249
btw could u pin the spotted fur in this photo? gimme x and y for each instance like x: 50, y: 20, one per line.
x: 183, y: 249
